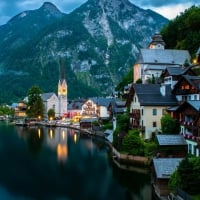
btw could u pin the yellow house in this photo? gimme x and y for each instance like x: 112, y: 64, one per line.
x: 148, y: 104
x: 20, y: 109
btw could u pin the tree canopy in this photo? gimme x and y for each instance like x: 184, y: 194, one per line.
x: 184, y: 31
x: 187, y: 176
x: 169, y: 125
x: 35, y: 103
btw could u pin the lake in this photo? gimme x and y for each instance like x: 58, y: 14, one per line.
x: 61, y: 164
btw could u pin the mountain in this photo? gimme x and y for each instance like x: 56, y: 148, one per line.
x: 97, y: 44
x: 26, y: 25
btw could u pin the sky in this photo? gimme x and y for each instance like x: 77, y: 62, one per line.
x: 167, y: 8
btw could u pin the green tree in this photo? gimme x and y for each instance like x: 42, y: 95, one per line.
x: 132, y: 143
x: 184, y: 31
x: 121, y: 130
x: 187, y: 176
x: 51, y: 113
x: 35, y: 103
x: 169, y: 125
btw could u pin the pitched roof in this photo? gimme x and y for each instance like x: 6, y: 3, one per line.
x: 46, y: 96
x: 172, y: 140
x: 150, y: 95
x: 164, y: 167
x: 194, y: 104
x: 164, y: 56
x: 118, y: 106
x: 193, y: 80
x: 101, y: 101
x: 174, y: 71
x: 74, y: 106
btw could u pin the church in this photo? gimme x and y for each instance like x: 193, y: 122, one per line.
x: 57, y: 102
x: 154, y: 59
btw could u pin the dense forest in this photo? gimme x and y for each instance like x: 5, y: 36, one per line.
x: 183, y: 32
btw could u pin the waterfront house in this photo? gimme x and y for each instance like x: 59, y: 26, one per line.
x: 20, y: 109
x: 148, y: 104
x: 162, y: 170
x: 171, y: 146
x: 96, y: 107
x: 74, y: 110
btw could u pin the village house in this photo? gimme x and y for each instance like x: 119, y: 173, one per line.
x: 187, y: 112
x: 148, y: 103
x: 171, y: 75
x: 161, y: 172
x: 74, y: 110
x: 20, y: 109
x: 171, y: 145
x: 116, y: 107
x: 96, y: 107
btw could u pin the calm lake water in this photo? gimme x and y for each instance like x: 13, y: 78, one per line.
x: 59, y: 164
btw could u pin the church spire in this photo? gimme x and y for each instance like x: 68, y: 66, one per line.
x: 62, y: 84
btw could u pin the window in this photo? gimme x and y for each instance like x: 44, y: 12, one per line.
x: 154, y: 111
x: 164, y: 111
x: 154, y: 124
x: 142, y: 111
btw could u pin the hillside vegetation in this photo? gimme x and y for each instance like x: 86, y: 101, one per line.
x: 184, y: 31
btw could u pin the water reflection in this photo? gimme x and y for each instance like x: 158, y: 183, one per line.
x: 59, y: 163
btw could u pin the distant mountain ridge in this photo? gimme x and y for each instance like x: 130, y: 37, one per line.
x: 97, y: 43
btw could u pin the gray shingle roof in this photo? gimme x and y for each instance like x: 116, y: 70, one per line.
x: 150, y: 95
x: 164, y: 56
x: 164, y: 167
x: 101, y: 101
x: 74, y: 106
x: 174, y: 71
x: 195, y: 104
x: 46, y: 96
x: 172, y: 140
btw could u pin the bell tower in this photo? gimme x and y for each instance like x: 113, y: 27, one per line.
x: 62, y: 92
x: 157, y: 42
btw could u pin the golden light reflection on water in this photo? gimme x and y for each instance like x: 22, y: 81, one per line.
x: 39, y: 132
x: 62, y: 152
x: 56, y: 139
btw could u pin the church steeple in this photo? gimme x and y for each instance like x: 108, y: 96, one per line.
x: 157, y: 42
x: 62, y: 84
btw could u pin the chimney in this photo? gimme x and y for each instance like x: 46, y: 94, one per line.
x: 163, y: 89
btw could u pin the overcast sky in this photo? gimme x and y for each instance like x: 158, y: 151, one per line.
x: 167, y: 8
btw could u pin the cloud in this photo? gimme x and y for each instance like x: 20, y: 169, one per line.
x: 164, y: 10
x: 163, y: 3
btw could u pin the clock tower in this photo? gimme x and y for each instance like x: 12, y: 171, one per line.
x: 62, y: 93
